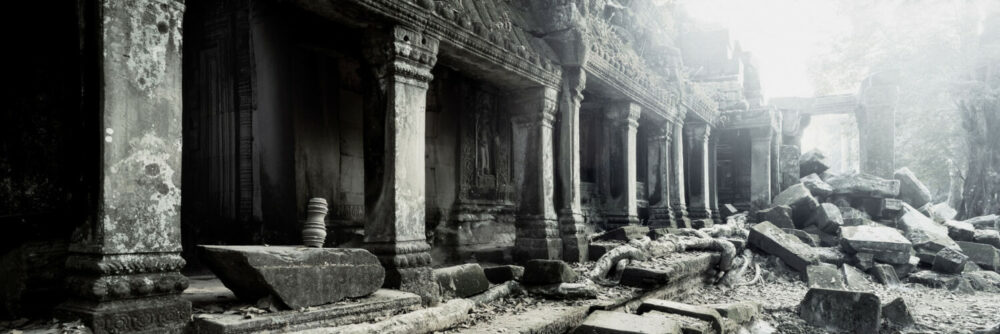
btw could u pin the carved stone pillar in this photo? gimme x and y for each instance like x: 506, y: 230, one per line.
x: 698, y: 167
x: 678, y: 202
x: 571, y: 223
x: 394, y: 230
x: 876, y: 122
x: 533, y: 111
x: 123, y: 267
x: 713, y: 191
x: 760, y: 168
x: 623, y: 204
x: 658, y: 178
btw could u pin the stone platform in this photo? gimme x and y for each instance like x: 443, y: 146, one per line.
x: 382, y: 303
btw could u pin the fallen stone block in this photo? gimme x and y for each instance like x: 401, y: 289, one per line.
x: 891, y: 208
x: 960, y: 231
x: 624, y: 233
x: 904, y: 270
x: 608, y: 322
x: 861, y: 184
x: 991, y: 278
x: 986, y: 256
x: 810, y: 239
x: 941, y: 212
x: 970, y: 267
x: 930, y: 279
x: 881, y: 208
x: 798, y: 198
x: 979, y: 283
x: 850, y: 311
x: 825, y: 276
x: 827, y: 218
x: 688, y: 325
x: 540, y: 272
x: 949, y: 261
x: 831, y: 255
x: 885, y: 274
x: 854, y: 279
x: 911, y: 190
x: 924, y: 232
x: 564, y: 290
x: 841, y: 201
x: 884, y: 243
x: 854, y: 217
x: 643, y: 277
x: 697, y: 312
x: 960, y: 284
x: 897, y: 313
x: 596, y: 250
x: 780, y: 216
x: 772, y: 240
x: 504, y: 273
x: 862, y: 260
x: 987, y: 222
x: 462, y: 280
x: 728, y: 210
x: 295, y: 276
x: 816, y: 186
x: 743, y: 313
x: 812, y: 162
x: 989, y: 237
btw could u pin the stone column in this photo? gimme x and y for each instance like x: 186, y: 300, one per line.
x: 571, y: 224
x: 678, y: 203
x: 698, y: 166
x: 713, y: 193
x: 789, y: 161
x: 537, y: 236
x: 124, y: 259
x: 394, y: 229
x: 623, y: 209
x: 760, y: 168
x: 876, y: 122
x: 658, y: 179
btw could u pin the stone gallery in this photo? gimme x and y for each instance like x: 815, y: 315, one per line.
x: 399, y: 166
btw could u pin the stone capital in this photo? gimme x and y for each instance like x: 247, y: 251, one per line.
x: 698, y: 131
x: 402, y: 52
x: 760, y: 134
x: 533, y: 106
x: 624, y: 113
x: 575, y: 81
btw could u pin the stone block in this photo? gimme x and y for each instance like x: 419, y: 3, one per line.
x: 810, y: 239
x: 780, y: 216
x: 854, y: 217
x: 296, y: 276
x: 816, y: 186
x: 462, y: 280
x: 911, y: 190
x: 688, y: 325
x: 854, y: 279
x: 825, y: 239
x: 960, y: 284
x: 798, y: 198
x: 596, y: 250
x: 825, y: 276
x: 863, y: 260
x: 538, y: 272
x: 772, y: 240
x: 904, y: 270
x: 837, y: 310
x: 897, y: 313
x: 949, y: 261
x: 607, y: 322
x: 884, y: 243
x: 812, y: 162
x: 941, y: 212
x: 702, y: 223
x: 831, y: 255
x: 742, y: 313
x: 924, y: 232
x: 698, y: 312
x: 501, y: 274
x: 624, y: 233
x: 643, y: 277
x: 885, y: 274
x: 827, y: 217
x: 861, y: 184
x: 960, y: 231
x: 930, y: 279
x: 987, y: 222
x: 986, y: 256
x: 728, y: 210
x: 989, y: 237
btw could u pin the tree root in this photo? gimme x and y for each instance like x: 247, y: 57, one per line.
x: 497, y: 292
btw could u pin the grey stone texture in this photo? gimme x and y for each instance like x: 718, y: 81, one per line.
x: 986, y: 256
x: 539, y: 272
x: 608, y: 322
x: 987, y: 222
x: 854, y: 279
x: 885, y: 274
x: 817, y: 187
x: 643, y: 277
x: 825, y: 276
x: 699, y: 312
x: 810, y: 239
x: 861, y: 184
x: 850, y: 311
x: 799, y: 199
x: 812, y: 162
x: 779, y: 215
x: 772, y: 240
x: 295, y: 276
x: 989, y: 237
x: 624, y: 233
x: 960, y: 231
x: 911, y: 189
x: 504, y: 273
x: 827, y: 217
x: 949, y: 261
x: 898, y: 313
x: 924, y: 232
x: 884, y: 243
x: 462, y: 280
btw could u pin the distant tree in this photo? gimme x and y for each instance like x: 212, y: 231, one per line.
x: 979, y: 103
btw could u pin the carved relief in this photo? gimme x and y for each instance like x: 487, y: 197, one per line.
x: 485, y: 147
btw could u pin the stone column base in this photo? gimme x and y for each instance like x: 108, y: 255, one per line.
x: 161, y: 314
x: 619, y: 220
x: 407, y: 267
x: 574, y: 237
x: 417, y: 280
x: 537, y: 239
x: 660, y: 217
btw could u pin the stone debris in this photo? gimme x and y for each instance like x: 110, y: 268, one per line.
x: 806, y: 237
x: 798, y: 198
x: 825, y: 239
x: 924, y: 232
x: 772, y: 240
x: 812, y: 162
x: 989, y: 237
x: 624, y: 233
x: 986, y: 256
x: 462, y: 280
x: 698, y: 312
x: 863, y: 185
x: 839, y: 310
x: 987, y: 222
x: 862, y: 260
x: 831, y: 255
x: 949, y: 261
x: 897, y: 313
x: 504, y: 273
x: 884, y: 243
x: 825, y: 276
x: 960, y: 231
x: 817, y: 187
x: 643, y: 277
x: 780, y: 216
x: 827, y: 218
x: 598, y: 249
x: 941, y: 212
x: 911, y: 190
x: 608, y: 322
x: 854, y: 217
x: 688, y: 325
x: 885, y: 274
x: 854, y: 279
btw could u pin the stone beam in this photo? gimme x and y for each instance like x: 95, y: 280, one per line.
x: 124, y: 261
x: 533, y: 112
x: 571, y: 223
x: 623, y: 208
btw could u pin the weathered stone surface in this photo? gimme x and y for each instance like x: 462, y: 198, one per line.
x: 855, y: 312
x: 780, y: 216
x: 989, y: 237
x: 941, y: 212
x: 698, y: 312
x: 688, y: 325
x: 879, y: 208
x: 816, y: 186
x: 462, y: 280
x: 891, y: 208
x: 624, y: 233
x: 911, y: 189
x: 500, y: 274
x: 799, y: 199
x: 827, y: 218
x: 854, y: 217
x: 607, y: 322
x: 904, y: 270
x: 960, y: 284
x: 930, y: 279
x: 863, y: 260
x: 831, y: 255
x: 884, y: 243
x: 596, y: 250
x: 825, y: 239
x: 854, y: 279
x: 897, y: 313
x: 984, y: 255
x: 949, y: 261
x: 861, y: 184
x: 295, y: 276
x: 923, y: 232
x: 810, y: 239
x: 643, y: 277
x: 987, y: 222
x: 772, y: 240
x: 812, y: 162
x: 960, y: 231
x: 548, y: 272
x: 825, y: 276
x: 885, y: 274
x: 742, y: 313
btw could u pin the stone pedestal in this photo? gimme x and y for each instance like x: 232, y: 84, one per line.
x: 658, y: 169
x: 123, y: 268
x: 537, y: 235
x: 571, y: 222
x: 623, y: 205
x: 760, y: 168
x: 678, y: 202
x: 698, y: 169
x: 394, y: 229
